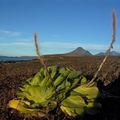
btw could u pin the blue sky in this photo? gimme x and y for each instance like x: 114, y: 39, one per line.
x: 63, y: 25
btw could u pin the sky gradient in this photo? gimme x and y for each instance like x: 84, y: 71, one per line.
x: 63, y: 25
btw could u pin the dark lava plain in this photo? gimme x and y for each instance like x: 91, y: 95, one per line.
x: 12, y: 74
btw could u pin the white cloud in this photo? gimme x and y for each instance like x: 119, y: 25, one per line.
x: 9, y: 33
x: 59, y: 45
x: 71, y: 45
x: 18, y: 43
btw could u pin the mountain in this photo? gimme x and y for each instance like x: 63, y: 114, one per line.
x: 112, y: 53
x: 22, y: 58
x: 79, y: 52
x: 100, y: 54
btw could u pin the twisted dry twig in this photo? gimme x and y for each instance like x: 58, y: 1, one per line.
x: 38, y: 51
x: 109, y: 49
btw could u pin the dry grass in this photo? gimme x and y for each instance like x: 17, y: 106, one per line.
x: 109, y: 49
x: 38, y: 52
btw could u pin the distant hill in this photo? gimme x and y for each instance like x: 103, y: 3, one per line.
x: 22, y: 58
x: 113, y: 53
x: 79, y: 52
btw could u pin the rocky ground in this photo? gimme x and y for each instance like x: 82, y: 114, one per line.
x: 12, y: 74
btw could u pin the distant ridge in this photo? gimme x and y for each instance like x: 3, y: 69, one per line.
x: 79, y: 52
x: 112, y: 53
x: 21, y: 58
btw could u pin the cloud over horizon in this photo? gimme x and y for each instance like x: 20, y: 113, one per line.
x: 55, y: 47
x: 8, y: 33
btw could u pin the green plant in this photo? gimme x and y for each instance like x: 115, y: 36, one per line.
x: 68, y: 91
x: 55, y: 87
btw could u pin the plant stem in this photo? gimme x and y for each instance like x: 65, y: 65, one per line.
x: 109, y: 49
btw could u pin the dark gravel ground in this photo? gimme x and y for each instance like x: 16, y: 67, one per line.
x: 12, y: 74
